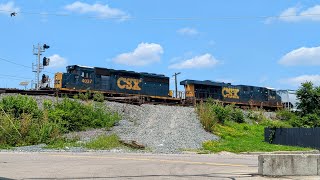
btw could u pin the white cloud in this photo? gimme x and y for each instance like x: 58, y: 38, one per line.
x: 97, y: 9
x: 203, y: 61
x: 144, y: 54
x: 188, y: 31
x: 296, y: 81
x: 8, y: 8
x: 302, y: 56
x: 56, y: 61
x: 295, y: 14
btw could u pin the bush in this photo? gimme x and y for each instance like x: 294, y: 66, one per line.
x: 83, y: 97
x: 285, y: 115
x: 211, y: 113
x: 75, y: 116
x: 206, y: 115
x: 22, y: 122
x: 237, y: 115
x: 98, y: 97
x: 26, y: 130
x: 18, y: 105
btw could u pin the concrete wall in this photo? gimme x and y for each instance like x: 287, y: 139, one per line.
x: 289, y: 164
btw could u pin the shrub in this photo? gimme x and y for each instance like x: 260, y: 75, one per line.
x: 83, y: 97
x: 211, y: 113
x: 206, y: 115
x: 19, y: 104
x: 237, y: 115
x: 22, y: 122
x: 75, y: 116
x: 26, y: 130
x: 285, y: 115
x: 98, y: 97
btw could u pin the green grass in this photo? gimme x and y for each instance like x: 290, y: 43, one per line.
x: 104, y: 142
x: 238, y: 138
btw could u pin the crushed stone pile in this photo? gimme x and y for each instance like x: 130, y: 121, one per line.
x: 163, y: 129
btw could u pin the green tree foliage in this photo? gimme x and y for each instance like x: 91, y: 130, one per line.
x: 309, y: 108
x: 309, y: 97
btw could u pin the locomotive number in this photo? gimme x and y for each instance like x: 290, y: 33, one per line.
x: 129, y: 83
x: 87, y: 81
x: 230, y: 93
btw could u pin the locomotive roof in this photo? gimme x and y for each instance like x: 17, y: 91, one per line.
x: 122, y: 71
x: 206, y: 82
x: 214, y: 83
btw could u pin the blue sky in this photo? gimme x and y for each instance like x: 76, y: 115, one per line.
x: 262, y: 43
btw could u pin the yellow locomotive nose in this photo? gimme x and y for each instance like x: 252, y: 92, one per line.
x: 58, y: 80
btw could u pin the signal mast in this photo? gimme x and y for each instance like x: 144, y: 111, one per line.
x: 38, y: 66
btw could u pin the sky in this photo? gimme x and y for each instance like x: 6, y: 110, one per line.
x: 264, y: 43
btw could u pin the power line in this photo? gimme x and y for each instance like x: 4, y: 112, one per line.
x: 2, y: 59
x: 8, y: 77
x: 166, y: 18
x: 9, y: 61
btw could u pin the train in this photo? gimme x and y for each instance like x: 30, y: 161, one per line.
x: 156, y: 87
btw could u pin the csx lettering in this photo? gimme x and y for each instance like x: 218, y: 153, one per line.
x: 230, y: 93
x: 87, y: 81
x: 129, y: 83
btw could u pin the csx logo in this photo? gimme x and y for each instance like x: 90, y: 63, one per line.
x: 129, y: 83
x: 230, y: 93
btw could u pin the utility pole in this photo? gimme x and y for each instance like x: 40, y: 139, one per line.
x: 176, y: 83
x: 38, y: 67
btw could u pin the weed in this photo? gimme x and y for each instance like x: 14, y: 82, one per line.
x: 104, y: 142
x: 98, y: 96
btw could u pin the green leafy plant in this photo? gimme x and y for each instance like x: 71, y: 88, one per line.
x: 98, y: 96
x: 104, y: 142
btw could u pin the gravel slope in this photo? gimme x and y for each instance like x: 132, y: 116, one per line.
x: 164, y: 129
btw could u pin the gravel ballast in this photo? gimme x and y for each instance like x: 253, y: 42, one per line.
x: 163, y: 129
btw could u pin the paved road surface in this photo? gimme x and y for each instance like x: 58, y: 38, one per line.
x: 106, y: 165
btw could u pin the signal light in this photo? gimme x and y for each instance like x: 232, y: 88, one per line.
x: 45, y: 46
x: 45, y: 61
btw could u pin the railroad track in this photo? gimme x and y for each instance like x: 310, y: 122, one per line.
x: 121, y: 98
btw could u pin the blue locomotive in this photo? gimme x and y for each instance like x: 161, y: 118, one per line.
x: 114, y: 82
x: 240, y: 95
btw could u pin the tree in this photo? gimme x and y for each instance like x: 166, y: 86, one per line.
x: 309, y: 97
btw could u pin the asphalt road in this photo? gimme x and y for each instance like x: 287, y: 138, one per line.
x: 106, y: 165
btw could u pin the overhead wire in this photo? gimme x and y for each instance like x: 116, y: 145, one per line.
x: 13, y: 77
x: 9, y: 61
x: 165, y: 18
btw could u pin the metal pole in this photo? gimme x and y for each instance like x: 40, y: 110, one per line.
x: 38, y: 66
x: 176, y: 83
x: 288, y: 105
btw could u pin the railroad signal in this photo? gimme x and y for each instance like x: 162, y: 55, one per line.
x: 45, y: 61
x: 37, y: 67
x: 45, y: 46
